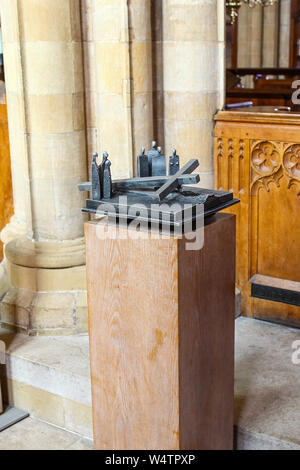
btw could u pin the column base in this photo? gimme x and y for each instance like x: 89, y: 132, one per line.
x: 39, y: 298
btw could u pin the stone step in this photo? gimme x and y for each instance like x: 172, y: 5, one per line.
x: 49, y: 377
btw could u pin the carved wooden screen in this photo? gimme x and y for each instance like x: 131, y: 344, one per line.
x: 261, y: 164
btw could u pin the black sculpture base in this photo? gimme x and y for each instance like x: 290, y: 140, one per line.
x: 173, y: 210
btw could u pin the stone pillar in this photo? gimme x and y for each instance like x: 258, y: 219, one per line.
x: 284, y: 33
x: 250, y: 27
x: 141, y: 74
x: 118, y: 77
x: 193, y: 78
x: 44, y: 245
x: 270, y: 36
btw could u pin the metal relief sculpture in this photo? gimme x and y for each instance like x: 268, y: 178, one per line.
x: 161, y: 195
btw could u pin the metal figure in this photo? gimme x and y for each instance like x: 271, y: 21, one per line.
x: 107, y: 182
x: 142, y: 165
x: 174, y: 163
x: 158, y: 167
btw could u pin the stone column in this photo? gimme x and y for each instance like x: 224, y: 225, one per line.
x: 284, y: 33
x: 270, y: 36
x: 193, y: 78
x: 118, y: 77
x: 250, y: 27
x: 44, y: 245
x: 141, y: 74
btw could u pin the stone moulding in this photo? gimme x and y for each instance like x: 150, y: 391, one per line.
x: 32, y: 254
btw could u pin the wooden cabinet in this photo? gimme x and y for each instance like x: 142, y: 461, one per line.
x: 257, y: 156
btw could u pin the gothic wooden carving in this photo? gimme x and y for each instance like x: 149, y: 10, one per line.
x: 261, y: 160
x: 291, y: 161
x: 265, y: 158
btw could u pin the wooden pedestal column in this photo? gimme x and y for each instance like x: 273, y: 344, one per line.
x: 162, y: 339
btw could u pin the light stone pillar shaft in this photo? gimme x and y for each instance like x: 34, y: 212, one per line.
x: 250, y: 35
x: 193, y: 78
x: 118, y: 77
x: 270, y: 36
x: 284, y: 33
x: 44, y: 245
x: 258, y: 37
x: 141, y: 75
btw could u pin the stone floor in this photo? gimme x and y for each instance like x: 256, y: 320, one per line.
x: 267, y: 388
x: 32, y: 434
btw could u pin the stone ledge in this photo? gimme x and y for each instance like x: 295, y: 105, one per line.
x: 44, y: 313
x: 249, y: 440
x: 49, y: 377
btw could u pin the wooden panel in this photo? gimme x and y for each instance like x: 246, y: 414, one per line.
x: 206, y: 332
x: 237, y: 150
x: 133, y: 312
x: 161, y: 324
x: 279, y: 231
x: 6, y: 199
x: 268, y: 224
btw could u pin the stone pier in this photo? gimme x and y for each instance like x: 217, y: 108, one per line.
x: 44, y: 245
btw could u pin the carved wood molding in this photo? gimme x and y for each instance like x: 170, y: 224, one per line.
x: 230, y: 164
x: 270, y: 161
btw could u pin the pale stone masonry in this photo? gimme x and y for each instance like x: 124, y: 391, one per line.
x: 45, y: 96
x: 263, y: 38
x: 193, y: 78
x: 85, y: 76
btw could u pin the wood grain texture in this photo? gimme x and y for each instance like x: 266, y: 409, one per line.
x: 6, y: 198
x: 206, y: 339
x: 133, y: 312
x: 161, y: 340
x: 263, y: 149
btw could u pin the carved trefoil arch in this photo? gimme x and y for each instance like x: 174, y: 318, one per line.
x: 270, y: 161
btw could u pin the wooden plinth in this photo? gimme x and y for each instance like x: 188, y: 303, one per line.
x: 162, y: 339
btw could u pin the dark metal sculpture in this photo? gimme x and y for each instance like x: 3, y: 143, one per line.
x: 159, y: 195
x: 158, y: 164
x: 143, y: 164
x: 174, y: 163
x: 96, y: 179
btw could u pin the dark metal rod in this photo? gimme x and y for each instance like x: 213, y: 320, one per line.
x: 173, y: 182
x: 146, y: 182
x: 153, y: 182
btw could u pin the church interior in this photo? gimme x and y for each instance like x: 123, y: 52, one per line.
x: 219, y: 81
